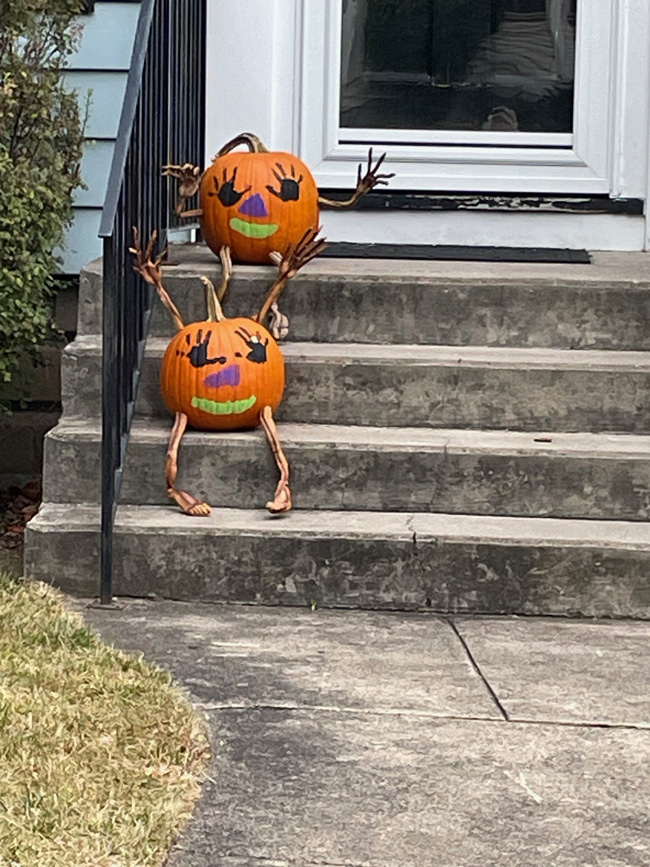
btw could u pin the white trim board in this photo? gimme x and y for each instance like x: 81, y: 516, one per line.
x: 574, y: 231
x: 583, y: 167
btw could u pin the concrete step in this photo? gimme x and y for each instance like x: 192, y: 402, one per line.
x: 604, y: 476
x: 446, y: 563
x: 421, y: 386
x: 605, y: 305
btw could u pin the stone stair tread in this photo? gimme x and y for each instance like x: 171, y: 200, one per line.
x: 606, y: 267
x: 429, y: 386
x: 605, y: 305
x: 434, y: 355
x: 451, y: 440
x: 391, y: 526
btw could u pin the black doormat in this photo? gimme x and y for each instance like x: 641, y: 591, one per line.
x: 346, y: 250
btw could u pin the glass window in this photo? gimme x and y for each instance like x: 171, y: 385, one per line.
x: 500, y: 65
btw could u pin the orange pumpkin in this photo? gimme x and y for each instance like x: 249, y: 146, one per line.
x: 256, y: 202
x: 222, y: 374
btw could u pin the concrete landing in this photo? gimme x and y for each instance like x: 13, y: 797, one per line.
x: 361, y: 738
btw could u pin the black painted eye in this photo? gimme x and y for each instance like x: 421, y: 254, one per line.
x: 228, y: 195
x: 226, y: 192
x: 289, y: 187
x: 254, y: 343
x: 198, y: 353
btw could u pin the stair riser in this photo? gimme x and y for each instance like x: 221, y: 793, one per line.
x: 351, y: 573
x: 417, y: 395
x: 418, y: 311
x: 236, y: 474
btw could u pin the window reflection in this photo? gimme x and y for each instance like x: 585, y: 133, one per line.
x: 501, y: 65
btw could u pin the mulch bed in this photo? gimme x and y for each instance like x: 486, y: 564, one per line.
x: 17, y: 506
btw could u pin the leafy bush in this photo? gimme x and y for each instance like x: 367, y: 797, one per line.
x: 41, y: 133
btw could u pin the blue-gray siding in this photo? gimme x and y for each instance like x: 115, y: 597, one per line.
x: 100, y: 67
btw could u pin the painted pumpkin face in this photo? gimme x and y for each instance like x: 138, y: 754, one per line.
x: 257, y: 203
x: 221, y: 374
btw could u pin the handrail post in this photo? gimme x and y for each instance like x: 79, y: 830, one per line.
x: 109, y: 420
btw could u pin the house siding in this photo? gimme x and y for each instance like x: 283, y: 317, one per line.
x: 98, y: 71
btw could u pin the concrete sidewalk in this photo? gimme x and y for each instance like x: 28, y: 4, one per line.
x: 360, y: 738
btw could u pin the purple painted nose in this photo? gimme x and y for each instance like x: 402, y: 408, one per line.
x: 254, y: 207
x: 228, y: 376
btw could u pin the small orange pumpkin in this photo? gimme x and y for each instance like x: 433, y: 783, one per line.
x: 222, y: 374
x: 256, y: 202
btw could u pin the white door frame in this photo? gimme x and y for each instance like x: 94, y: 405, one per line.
x: 580, y: 163
x: 263, y: 70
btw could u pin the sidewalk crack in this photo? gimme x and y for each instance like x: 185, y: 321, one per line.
x: 477, y: 669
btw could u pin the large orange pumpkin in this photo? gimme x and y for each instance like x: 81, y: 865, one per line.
x: 256, y: 202
x: 222, y: 374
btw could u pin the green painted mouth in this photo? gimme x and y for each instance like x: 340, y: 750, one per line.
x: 253, y: 230
x: 226, y: 407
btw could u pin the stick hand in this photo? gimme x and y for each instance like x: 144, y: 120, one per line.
x: 372, y: 177
x: 297, y: 255
x: 188, y: 176
x: 189, y: 181
x: 143, y: 263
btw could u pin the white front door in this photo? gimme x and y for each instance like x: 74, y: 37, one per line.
x: 466, y: 96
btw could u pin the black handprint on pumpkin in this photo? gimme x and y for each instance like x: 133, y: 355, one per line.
x: 226, y: 192
x: 254, y: 342
x: 289, y: 187
x: 198, y: 354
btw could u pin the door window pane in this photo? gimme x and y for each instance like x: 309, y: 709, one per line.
x: 458, y: 64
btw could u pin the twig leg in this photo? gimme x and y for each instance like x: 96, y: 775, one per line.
x: 271, y: 298
x: 282, y: 498
x: 226, y: 273
x: 189, y: 504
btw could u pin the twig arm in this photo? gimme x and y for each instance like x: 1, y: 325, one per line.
x: 369, y: 181
x: 149, y: 268
x: 295, y: 257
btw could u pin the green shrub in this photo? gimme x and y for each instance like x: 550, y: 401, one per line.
x: 41, y: 134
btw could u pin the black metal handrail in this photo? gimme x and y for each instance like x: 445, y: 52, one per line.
x: 162, y: 122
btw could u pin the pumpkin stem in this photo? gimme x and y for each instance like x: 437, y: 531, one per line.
x: 215, y: 313
x: 254, y: 143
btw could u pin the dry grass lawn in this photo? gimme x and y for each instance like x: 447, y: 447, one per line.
x: 100, y: 755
